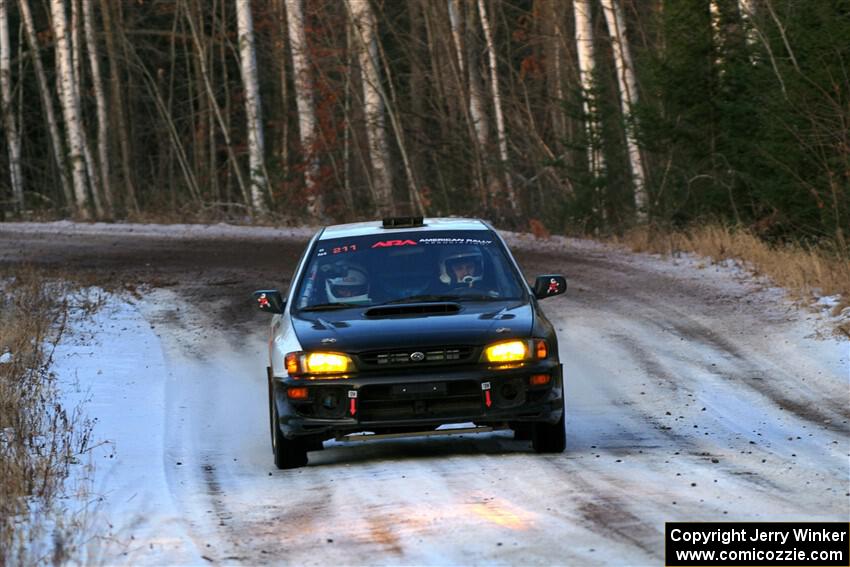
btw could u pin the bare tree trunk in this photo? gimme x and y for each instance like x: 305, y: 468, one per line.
x: 216, y: 110
x: 253, y: 109
x: 464, y: 74
x: 167, y: 118
x: 76, y: 64
x: 70, y: 106
x: 501, y: 136
x: 117, y: 108
x: 456, y: 22
x: 587, y: 66
x: 553, y: 26
x: 47, y: 103
x: 279, y: 47
x: 100, y: 98
x: 628, y: 99
x: 395, y: 123
x: 478, y: 111
x: 373, y: 105
x: 13, y: 141
x: 306, y: 107
x: 76, y: 44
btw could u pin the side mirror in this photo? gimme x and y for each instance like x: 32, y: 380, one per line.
x: 269, y: 300
x: 549, y: 286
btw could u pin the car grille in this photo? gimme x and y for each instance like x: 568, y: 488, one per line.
x: 455, y: 399
x: 407, y: 357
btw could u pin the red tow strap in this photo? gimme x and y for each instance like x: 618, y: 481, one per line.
x: 486, y: 387
x: 352, y: 396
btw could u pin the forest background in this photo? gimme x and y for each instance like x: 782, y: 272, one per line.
x: 583, y: 116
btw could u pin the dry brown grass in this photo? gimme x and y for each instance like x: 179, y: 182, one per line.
x: 40, y: 440
x: 805, y: 271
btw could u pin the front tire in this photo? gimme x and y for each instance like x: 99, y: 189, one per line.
x: 288, y: 453
x: 549, y: 438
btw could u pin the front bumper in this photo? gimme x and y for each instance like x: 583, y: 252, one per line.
x: 387, y: 402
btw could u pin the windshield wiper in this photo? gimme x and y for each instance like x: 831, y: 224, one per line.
x: 327, y: 306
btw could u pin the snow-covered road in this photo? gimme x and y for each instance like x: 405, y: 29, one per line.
x: 694, y: 393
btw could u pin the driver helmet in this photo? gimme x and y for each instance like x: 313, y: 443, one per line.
x: 349, y: 284
x: 467, y: 260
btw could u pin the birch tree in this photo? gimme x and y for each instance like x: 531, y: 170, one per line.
x: 477, y: 108
x: 70, y: 106
x: 75, y: 84
x: 102, y: 115
x: 117, y: 107
x: 13, y: 141
x: 253, y: 109
x: 587, y: 67
x: 501, y: 135
x: 304, y: 101
x: 628, y: 99
x: 58, y: 148
x: 455, y: 21
x: 373, y: 105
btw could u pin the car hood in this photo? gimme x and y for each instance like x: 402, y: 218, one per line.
x: 354, y: 330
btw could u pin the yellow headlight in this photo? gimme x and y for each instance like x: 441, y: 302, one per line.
x: 509, y: 351
x: 327, y: 363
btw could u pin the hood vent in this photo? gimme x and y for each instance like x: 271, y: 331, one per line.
x: 413, y: 309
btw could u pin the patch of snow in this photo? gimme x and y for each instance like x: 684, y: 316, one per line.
x: 113, y: 364
x: 6, y: 357
x: 829, y: 301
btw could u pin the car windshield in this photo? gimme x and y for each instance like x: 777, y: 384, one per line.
x: 402, y: 267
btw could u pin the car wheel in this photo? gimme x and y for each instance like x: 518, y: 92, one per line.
x: 288, y: 453
x: 549, y: 438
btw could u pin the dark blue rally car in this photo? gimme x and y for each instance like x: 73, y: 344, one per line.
x: 396, y: 328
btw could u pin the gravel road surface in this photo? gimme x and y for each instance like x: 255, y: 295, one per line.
x: 693, y: 393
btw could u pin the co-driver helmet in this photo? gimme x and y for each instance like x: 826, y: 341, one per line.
x: 460, y: 255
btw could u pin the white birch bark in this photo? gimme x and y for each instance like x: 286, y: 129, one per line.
x: 304, y: 101
x: 70, y: 106
x: 373, y: 104
x: 747, y: 10
x: 253, y: 109
x: 47, y: 103
x: 76, y: 62
x: 455, y: 15
x: 501, y: 135
x: 477, y: 108
x: 102, y: 114
x: 13, y: 140
x: 628, y: 99
x: 587, y: 66
x: 364, y: 28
